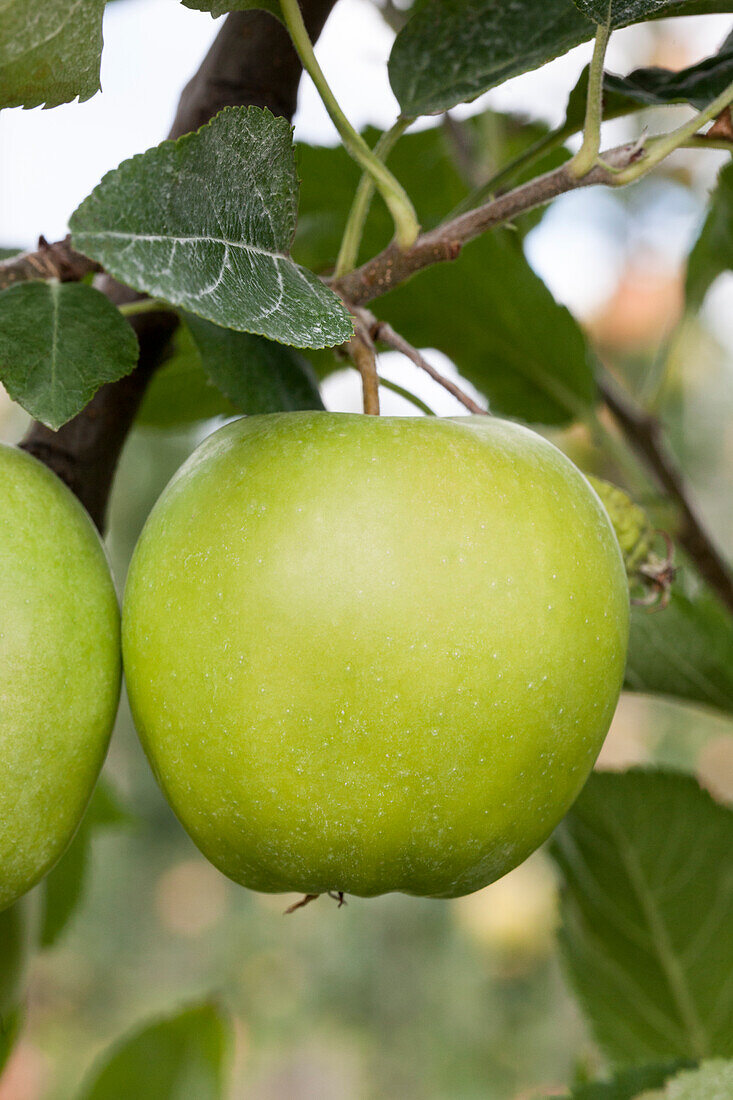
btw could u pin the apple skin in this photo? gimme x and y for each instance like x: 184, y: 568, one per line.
x: 371, y: 654
x: 59, y: 668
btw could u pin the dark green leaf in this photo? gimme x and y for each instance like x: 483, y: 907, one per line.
x: 453, y: 50
x: 648, y: 915
x: 180, y: 1058
x: 256, y: 375
x: 683, y: 651
x: 180, y: 392
x: 698, y: 85
x: 64, y: 886
x: 502, y: 328
x: 10, y: 1026
x: 221, y: 7
x: 49, y: 51
x: 622, y: 13
x: 628, y: 1084
x: 206, y: 221
x: 711, y: 1081
x: 59, y: 342
x: 712, y: 253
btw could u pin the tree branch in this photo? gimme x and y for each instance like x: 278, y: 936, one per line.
x: 49, y: 261
x: 252, y: 61
x: 644, y: 434
x: 392, y: 266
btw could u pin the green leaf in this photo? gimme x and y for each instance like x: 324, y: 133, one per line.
x: 221, y: 7
x: 712, y: 253
x: 50, y: 51
x: 255, y: 374
x: 180, y: 392
x: 453, y: 50
x: 683, y: 651
x: 622, y: 13
x: 502, y: 328
x: 698, y: 85
x: 206, y: 221
x: 179, y: 1058
x: 59, y: 342
x: 64, y: 886
x: 712, y: 1080
x: 648, y: 915
x: 18, y: 938
x: 475, y: 310
x: 627, y: 1084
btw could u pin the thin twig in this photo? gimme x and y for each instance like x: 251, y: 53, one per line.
x: 393, y: 266
x: 644, y: 434
x: 360, y: 350
x: 383, y: 333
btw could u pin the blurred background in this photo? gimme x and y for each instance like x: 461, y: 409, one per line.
x: 392, y: 997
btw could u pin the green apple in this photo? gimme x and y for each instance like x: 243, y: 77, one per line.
x: 368, y: 654
x: 59, y: 668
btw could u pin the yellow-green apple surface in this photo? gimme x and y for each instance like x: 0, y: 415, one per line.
x: 59, y: 668
x: 368, y: 654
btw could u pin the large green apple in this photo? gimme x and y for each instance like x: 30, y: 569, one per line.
x: 59, y: 668
x: 369, y: 654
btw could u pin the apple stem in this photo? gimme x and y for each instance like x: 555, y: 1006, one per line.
x: 305, y: 900
x: 380, y: 331
x: 360, y: 349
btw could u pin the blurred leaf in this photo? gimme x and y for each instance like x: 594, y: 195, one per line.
x: 476, y: 310
x: 49, y: 52
x: 648, y: 915
x: 683, y: 651
x: 698, y: 85
x: 64, y: 886
x: 180, y: 1058
x: 18, y: 937
x: 206, y: 221
x: 712, y: 253
x: 180, y: 391
x: 495, y: 318
x: 453, y: 50
x: 711, y: 1081
x: 8, y: 253
x: 627, y: 1084
x: 256, y: 375
x: 59, y: 342
x: 221, y: 7
x: 424, y: 166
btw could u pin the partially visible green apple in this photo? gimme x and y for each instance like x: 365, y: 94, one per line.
x: 59, y: 668
x: 368, y: 654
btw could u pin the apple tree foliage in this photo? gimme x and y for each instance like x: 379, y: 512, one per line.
x: 237, y: 229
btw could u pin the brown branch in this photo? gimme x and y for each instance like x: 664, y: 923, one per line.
x: 360, y: 349
x: 644, y: 433
x: 393, y: 266
x: 383, y: 333
x: 252, y: 61
x: 49, y: 261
